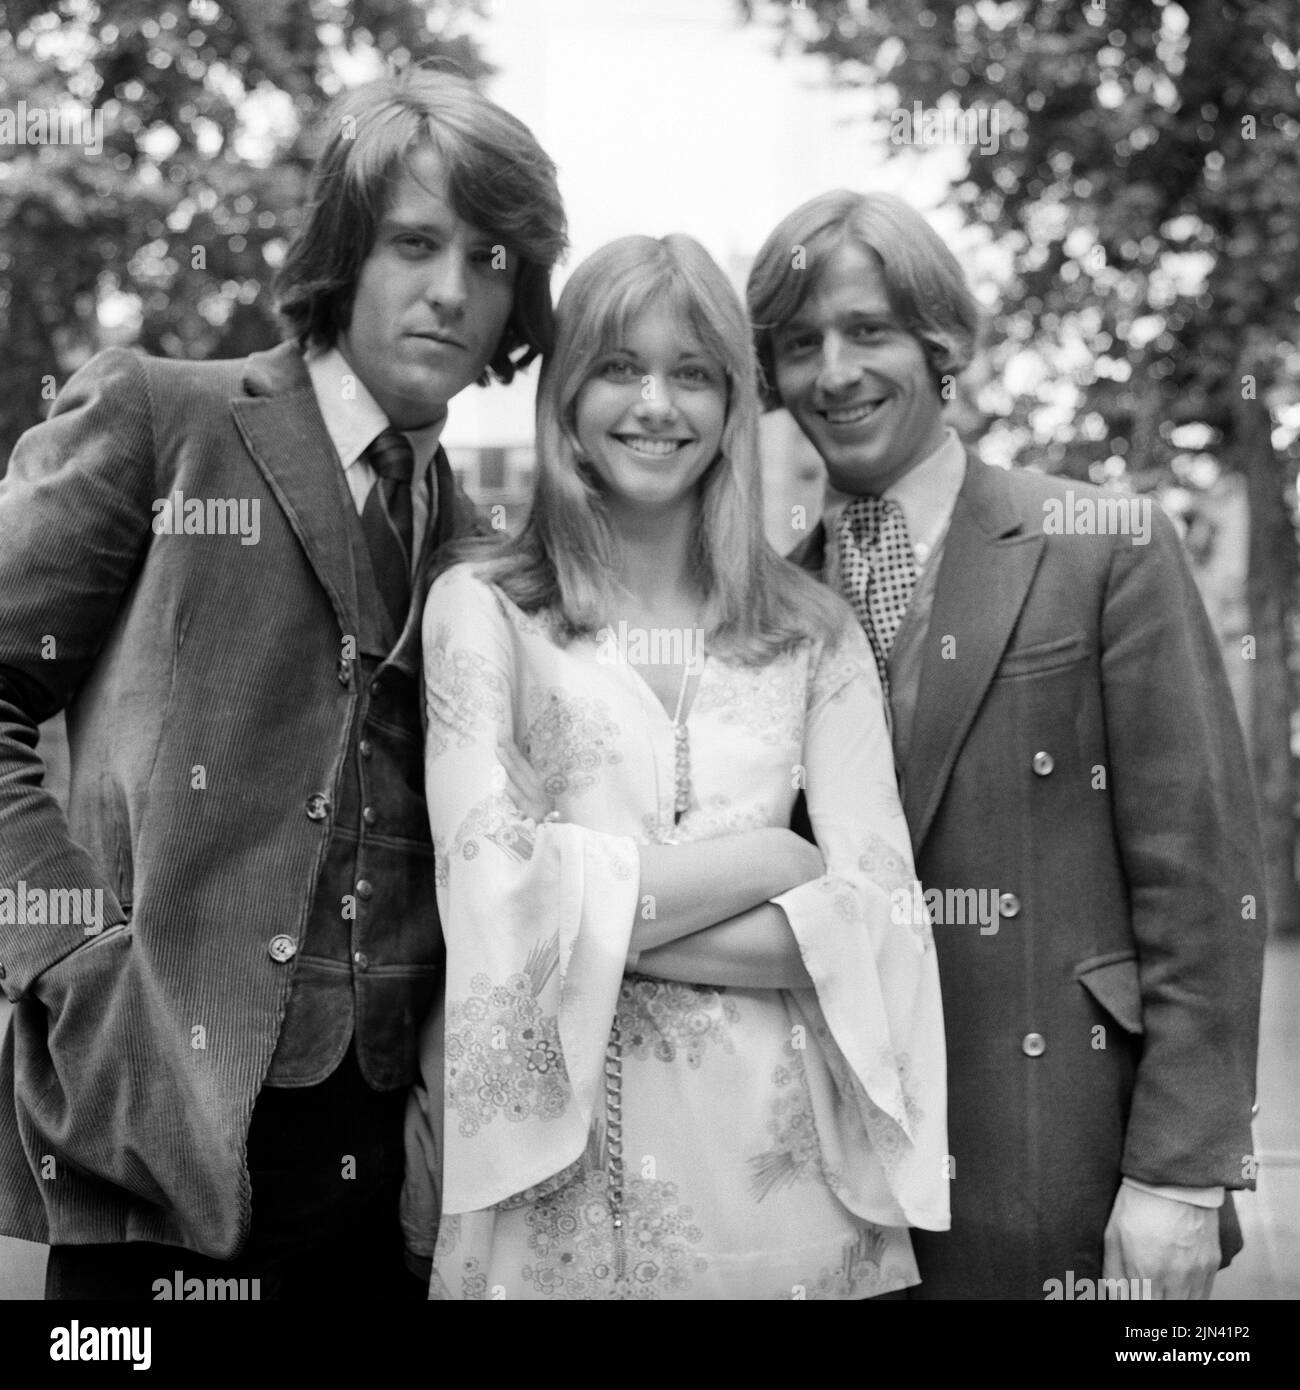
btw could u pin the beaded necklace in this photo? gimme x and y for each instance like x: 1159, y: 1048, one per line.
x: 682, y: 740
x: 682, y: 744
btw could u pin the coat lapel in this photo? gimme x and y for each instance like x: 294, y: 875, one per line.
x: 282, y: 426
x: 987, y: 566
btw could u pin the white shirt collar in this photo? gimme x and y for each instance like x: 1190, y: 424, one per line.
x: 352, y: 415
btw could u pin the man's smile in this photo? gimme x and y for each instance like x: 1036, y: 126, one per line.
x: 851, y: 414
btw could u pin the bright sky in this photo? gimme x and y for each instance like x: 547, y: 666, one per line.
x: 669, y: 115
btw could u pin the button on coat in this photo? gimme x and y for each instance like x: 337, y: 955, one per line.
x: 282, y: 948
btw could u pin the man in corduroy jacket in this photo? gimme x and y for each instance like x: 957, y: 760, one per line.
x: 221, y: 955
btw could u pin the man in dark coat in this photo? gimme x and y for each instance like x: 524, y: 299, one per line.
x: 1074, y: 779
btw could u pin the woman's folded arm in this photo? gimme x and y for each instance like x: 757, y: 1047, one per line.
x: 686, y: 889
x: 752, y: 950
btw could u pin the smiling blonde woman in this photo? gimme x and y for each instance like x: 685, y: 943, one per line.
x: 683, y: 1052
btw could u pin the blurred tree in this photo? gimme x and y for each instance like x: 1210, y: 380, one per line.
x: 168, y: 235
x: 1139, y: 161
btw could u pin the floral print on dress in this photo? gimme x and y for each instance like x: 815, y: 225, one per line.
x: 837, y: 666
x: 767, y: 702
x: 847, y: 898
x: 737, y: 1203
x: 495, y: 819
x: 473, y: 1277
x: 883, y: 864
x: 503, y: 1051
x: 887, y: 1127
x: 622, y: 863
x: 667, y: 1021
x: 448, y: 1234
x: 845, y: 901
x: 718, y: 817
x: 860, y: 1273
x: 543, y: 622
x: 462, y: 691
x: 574, y: 1254
x: 569, y: 738
x: 912, y: 1107
x: 544, y: 1188
x: 795, y: 1155
x: 886, y: 866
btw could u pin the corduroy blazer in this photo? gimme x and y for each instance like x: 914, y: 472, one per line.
x: 1075, y: 755
x: 209, y: 686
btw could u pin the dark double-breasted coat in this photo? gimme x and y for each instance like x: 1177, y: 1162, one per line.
x: 1075, y: 754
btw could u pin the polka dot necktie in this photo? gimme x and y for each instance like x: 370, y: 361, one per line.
x: 878, y: 571
x: 388, y: 520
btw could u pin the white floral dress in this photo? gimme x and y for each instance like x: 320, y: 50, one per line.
x: 730, y: 1143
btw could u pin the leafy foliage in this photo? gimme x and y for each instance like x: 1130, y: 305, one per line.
x: 1145, y: 181
x: 168, y: 235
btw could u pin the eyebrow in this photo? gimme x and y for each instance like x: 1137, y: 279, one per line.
x: 413, y: 224
x: 884, y: 318
x: 396, y: 222
x: 682, y: 354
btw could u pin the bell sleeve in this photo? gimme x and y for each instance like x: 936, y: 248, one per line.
x: 537, y: 920
x: 871, y: 1026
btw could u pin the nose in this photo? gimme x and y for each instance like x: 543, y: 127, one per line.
x: 448, y: 286
x: 655, y: 405
x: 840, y: 369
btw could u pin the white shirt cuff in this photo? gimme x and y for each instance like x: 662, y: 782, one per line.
x: 1195, y: 1196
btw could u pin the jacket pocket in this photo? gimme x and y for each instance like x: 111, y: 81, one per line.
x: 51, y: 986
x: 49, y: 982
x: 1043, y: 656
x: 1113, y: 982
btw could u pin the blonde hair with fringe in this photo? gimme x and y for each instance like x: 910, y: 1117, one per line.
x: 565, y: 558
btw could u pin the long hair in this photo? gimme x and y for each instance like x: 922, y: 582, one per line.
x: 566, y: 556
x: 923, y: 280
x: 499, y: 178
